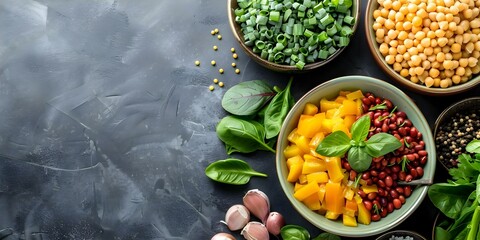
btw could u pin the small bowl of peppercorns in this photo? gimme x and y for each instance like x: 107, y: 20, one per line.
x: 454, y: 128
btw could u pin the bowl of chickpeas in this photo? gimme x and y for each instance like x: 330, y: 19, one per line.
x: 431, y: 47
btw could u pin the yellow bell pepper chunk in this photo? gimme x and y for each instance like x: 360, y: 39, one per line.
x: 369, y: 188
x: 341, y: 127
x: 327, y: 125
x: 325, y: 105
x: 297, y: 159
x: 312, y: 202
x: 321, y: 192
x: 321, y: 164
x: 310, y: 109
x: 302, y: 179
x: 349, y: 193
x: 333, y: 113
x: 343, y: 93
x: 334, y: 200
x: 348, y: 120
x: 349, y: 220
x: 331, y: 215
x: 316, y: 139
x: 293, y: 135
x: 291, y: 151
x: 359, y: 107
x: 294, y: 173
x: 308, y: 125
x: 364, y: 216
x: 306, y: 191
x: 297, y: 186
x: 303, y: 143
x: 349, y: 107
x: 355, y: 95
x: 340, y: 99
x: 319, y: 177
x: 334, y: 169
x: 351, y: 205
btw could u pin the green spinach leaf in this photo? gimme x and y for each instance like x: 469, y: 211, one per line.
x: 473, y: 146
x: 359, y: 159
x: 360, y: 129
x: 381, y: 144
x: 294, y: 232
x: 277, y: 110
x: 231, y: 171
x: 327, y: 236
x: 241, y: 135
x: 450, y: 198
x: 335, y: 144
x: 247, y: 98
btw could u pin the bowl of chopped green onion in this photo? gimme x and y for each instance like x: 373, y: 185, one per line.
x: 293, y: 36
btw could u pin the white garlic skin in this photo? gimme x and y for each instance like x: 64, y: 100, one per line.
x: 223, y: 236
x: 237, y: 217
x: 257, y: 203
x: 255, y: 231
x: 275, y: 222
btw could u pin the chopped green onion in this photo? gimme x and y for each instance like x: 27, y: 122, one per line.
x: 274, y: 16
x: 300, y: 65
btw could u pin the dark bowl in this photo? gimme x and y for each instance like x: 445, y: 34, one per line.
x: 468, y: 104
x: 401, y: 233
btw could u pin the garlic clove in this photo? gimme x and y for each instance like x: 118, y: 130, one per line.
x: 237, y: 217
x: 258, y: 203
x: 275, y: 222
x: 255, y: 231
x: 223, y: 236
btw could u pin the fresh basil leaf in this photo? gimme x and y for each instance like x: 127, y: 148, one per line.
x: 294, y: 232
x: 450, y: 198
x: 335, y: 144
x: 243, y: 136
x: 231, y: 171
x: 247, y: 98
x: 381, y: 144
x: 442, y: 234
x: 277, y: 110
x: 473, y: 146
x: 478, y: 189
x: 360, y: 128
x: 359, y: 159
x: 327, y: 236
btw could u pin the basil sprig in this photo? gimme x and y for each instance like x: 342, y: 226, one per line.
x: 360, y: 151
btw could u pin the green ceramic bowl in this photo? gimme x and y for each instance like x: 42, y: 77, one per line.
x: 380, y: 88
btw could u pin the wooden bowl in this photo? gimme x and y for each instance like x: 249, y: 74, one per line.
x: 420, y: 88
x: 237, y: 33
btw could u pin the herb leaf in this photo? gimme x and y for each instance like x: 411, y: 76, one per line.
x: 335, y: 144
x: 277, y: 110
x: 381, y: 144
x: 247, y: 98
x: 359, y: 159
x: 241, y: 135
x: 294, y: 232
x: 327, y: 236
x: 450, y: 198
x: 473, y: 146
x: 360, y: 128
x: 231, y: 171
x: 380, y: 106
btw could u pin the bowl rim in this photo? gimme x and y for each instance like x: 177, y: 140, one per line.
x: 434, y: 91
x: 280, y: 67
x: 420, y: 192
x: 448, y: 112
x: 409, y: 232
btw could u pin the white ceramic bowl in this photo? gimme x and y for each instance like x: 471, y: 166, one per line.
x: 380, y: 88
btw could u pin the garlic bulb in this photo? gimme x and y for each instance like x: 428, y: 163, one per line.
x: 237, y: 217
x: 275, y: 222
x: 258, y: 203
x: 255, y: 231
x: 223, y: 236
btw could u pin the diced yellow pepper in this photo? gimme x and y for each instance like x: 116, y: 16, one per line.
x: 294, y: 173
x: 359, y: 107
x: 315, y: 154
x: 308, y: 125
x: 331, y: 215
x: 355, y: 95
x: 293, y: 135
x: 344, y: 93
x: 306, y: 191
x: 316, y: 139
x: 292, y: 150
x: 321, y: 192
x: 327, y: 125
x: 348, y: 120
x: 303, y: 143
x: 322, y: 210
x: 310, y: 109
x: 369, y: 188
x: 341, y: 127
x: 319, y: 177
x: 297, y: 186
x: 312, y: 202
x: 334, y: 169
x: 325, y: 105
x: 332, y: 113
x: 340, y: 99
x: 364, y: 216
x: 297, y: 159
x: 349, y: 220
x: 349, y: 107
x: 334, y: 200
x: 351, y: 205
x: 320, y: 161
x: 302, y: 179
x: 349, y: 193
